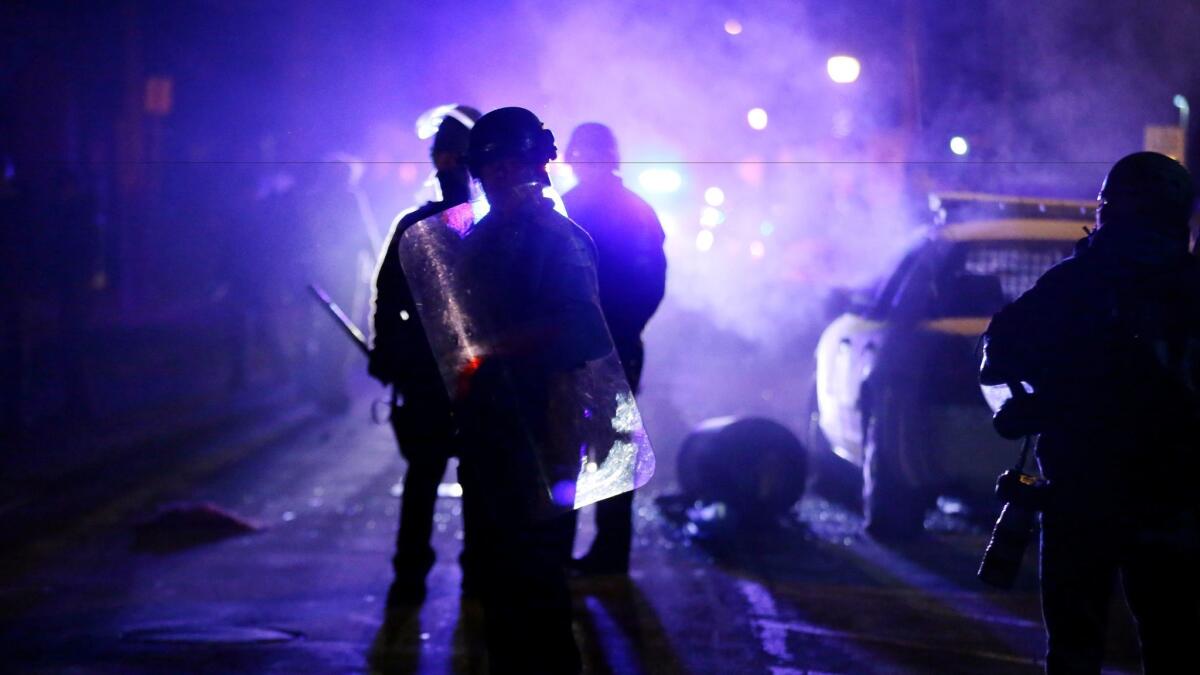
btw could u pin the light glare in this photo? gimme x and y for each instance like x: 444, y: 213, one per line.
x: 959, y: 146
x: 757, y: 118
x: 562, y: 176
x: 704, y: 240
x: 711, y: 217
x: 843, y: 69
x: 660, y: 180
x: 714, y: 196
x: 669, y: 224
x: 429, y: 121
x: 733, y: 27
x: 450, y: 490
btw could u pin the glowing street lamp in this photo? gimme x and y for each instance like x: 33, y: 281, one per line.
x: 843, y: 69
x: 733, y: 27
x: 959, y: 146
x: 757, y: 119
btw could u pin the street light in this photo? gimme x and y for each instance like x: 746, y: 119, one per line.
x: 843, y: 69
x: 1181, y: 102
x: 757, y: 119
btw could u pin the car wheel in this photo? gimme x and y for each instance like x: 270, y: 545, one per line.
x: 894, y: 510
x: 829, y: 475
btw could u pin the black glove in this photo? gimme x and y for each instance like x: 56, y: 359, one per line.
x: 380, y: 366
x: 1019, y: 417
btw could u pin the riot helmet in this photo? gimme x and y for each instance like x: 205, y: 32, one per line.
x: 592, y: 152
x: 450, y: 127
x: 514, y: 134
x: 454, y: 130
x: 592, y: 142
x: 1147, y: 190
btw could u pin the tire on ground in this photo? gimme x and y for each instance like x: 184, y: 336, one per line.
x: 756, y: 466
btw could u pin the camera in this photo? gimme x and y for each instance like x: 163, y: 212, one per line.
x: 1023, y: 496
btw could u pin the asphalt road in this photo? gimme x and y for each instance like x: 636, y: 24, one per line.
x: 304, y: 592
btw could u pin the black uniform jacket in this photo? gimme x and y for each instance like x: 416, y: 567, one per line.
x: 632, y: 269
x: 1111, y: 346
x: 400, y: 353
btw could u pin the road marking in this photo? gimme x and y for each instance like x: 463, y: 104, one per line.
x: 912, y: 596
x: 818, y: 631
x: 773, y: 639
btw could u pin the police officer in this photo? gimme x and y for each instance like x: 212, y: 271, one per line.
x: 401, y: 357
x: 1108, y: 341
x: 533, y: 288
x: 632, y: 275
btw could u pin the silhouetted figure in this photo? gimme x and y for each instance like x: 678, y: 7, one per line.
x: 256, y: 261
x: 337, y: 245
x: 1108, y: 339
x: 401, y: 357
x: 533, y: 288
x: 74, y: 245
x: 14, y: 244
x: 632, y: 275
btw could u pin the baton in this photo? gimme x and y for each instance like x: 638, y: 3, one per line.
x: 344, y: 321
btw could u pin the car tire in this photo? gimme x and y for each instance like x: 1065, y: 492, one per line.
x: 893, y: 509
x: 830, y: 476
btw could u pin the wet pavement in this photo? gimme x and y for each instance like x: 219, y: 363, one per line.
x: 304, y: 593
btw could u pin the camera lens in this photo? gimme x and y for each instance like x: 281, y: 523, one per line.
x: 1002, y: 560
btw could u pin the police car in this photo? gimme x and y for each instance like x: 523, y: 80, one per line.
x: 896, y: 391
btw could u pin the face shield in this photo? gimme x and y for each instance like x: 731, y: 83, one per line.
x: 576, y: 416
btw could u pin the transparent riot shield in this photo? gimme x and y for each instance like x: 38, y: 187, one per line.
x: 584, y: 426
